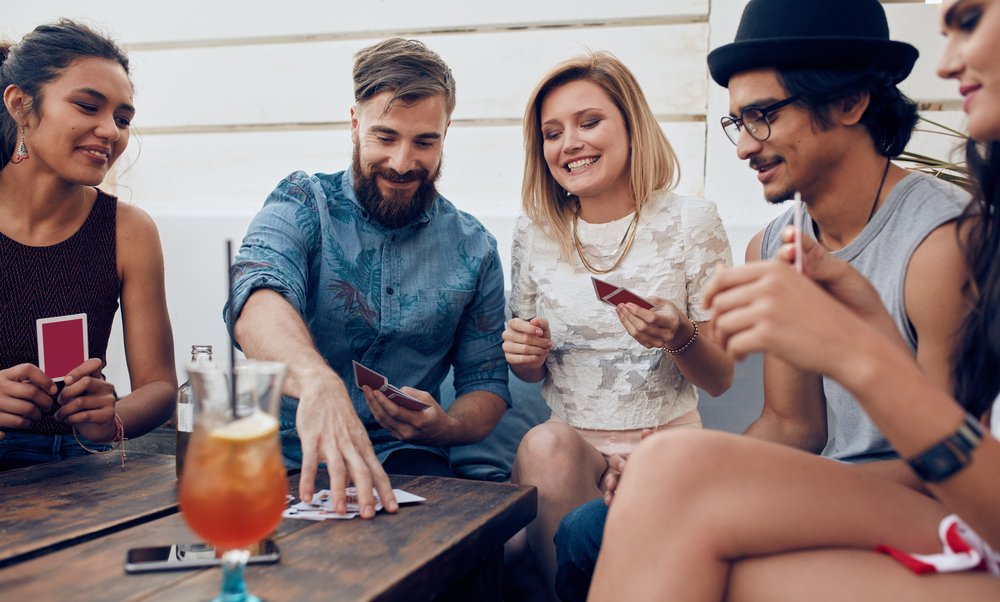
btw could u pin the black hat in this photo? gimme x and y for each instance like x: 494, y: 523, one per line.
x: 789, y: 34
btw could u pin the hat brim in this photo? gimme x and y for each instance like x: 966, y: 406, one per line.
x: 831, y: 52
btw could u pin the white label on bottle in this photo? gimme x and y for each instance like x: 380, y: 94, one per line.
x: 185, y: 417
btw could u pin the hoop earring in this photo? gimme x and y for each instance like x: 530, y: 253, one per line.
x: 22, y: 149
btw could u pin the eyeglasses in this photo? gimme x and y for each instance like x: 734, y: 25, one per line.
x: 756, y: 120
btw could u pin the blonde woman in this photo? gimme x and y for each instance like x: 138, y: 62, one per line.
x: 597, y: 195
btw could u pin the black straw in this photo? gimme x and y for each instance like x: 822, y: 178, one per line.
x: 232, y: 342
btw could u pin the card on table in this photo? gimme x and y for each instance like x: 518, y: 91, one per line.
x: 62, y: 344
x: 363, y: 375
x: 615, y: 295
x: 321, y: 507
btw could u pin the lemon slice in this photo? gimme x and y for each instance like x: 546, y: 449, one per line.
x: 254, y: 426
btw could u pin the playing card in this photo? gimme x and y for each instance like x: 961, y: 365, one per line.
x: 321, y: 507
x: 602, y: 288
x: 62, y: 344
x: 624, y: 295
x: 404, y: 400
x: 364, y: 375
x: 615, y: 295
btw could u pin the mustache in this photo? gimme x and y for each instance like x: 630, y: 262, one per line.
x: 756, y: 162
x: 387, y: 173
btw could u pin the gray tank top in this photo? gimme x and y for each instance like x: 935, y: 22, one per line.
x: 914, y: 208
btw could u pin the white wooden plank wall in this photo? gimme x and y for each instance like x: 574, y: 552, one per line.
x: 232, y: 96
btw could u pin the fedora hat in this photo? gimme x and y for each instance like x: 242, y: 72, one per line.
x: 790, y: 34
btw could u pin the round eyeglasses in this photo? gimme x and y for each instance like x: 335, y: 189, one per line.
x: 756, y: 120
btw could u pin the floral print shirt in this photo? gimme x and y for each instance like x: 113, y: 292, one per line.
x: 410, y: 303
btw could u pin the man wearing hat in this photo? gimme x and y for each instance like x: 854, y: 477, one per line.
x: 814, y: 110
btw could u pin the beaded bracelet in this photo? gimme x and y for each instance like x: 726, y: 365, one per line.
x: 683, y: 348
x: 119, y: 439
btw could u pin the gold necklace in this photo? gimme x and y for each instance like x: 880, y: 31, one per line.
x: 627, y: 240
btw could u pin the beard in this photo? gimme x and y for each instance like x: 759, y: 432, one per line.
x: 780, y: 197
x: 774, y: 198
x: 398, y: 208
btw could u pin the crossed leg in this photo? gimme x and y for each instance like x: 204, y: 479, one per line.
x: 692, y: 503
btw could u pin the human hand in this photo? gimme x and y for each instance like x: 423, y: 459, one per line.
x: 653, y: 328
x: 25, y: 392
x: 87, y: 402
x: 429, y: 426
x: 527, y: 342
x: 835, y: 275
x: 330, y: 431
x: 767, y: 306
x: 616, y: 466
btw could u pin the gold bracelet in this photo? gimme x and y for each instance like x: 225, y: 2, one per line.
x: 119, y: 439
x: 683, y: 348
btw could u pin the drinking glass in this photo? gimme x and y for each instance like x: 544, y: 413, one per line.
x: 233, y: 488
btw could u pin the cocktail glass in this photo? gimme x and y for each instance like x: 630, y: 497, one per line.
x: 233, y: 488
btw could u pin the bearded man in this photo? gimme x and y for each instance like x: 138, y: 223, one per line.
x: 373, y: 265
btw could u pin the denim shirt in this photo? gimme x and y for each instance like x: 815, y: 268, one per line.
x: 408, y: 303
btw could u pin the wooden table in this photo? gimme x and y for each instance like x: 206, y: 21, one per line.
x: 448, y: 548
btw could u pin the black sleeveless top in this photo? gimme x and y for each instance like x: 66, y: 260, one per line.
x: 77, y: 275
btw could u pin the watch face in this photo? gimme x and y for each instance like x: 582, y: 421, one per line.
x: 949, y: 456
x: 939, y: 463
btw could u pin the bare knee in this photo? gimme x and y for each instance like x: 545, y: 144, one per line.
x: 682, y: 462
x: 551, y: 451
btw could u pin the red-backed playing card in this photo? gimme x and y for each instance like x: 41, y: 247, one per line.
x: 62, y: 344
x: 363, y: 375
x: 602, y: 288
x: 626, y: 296
x: 616, y: 295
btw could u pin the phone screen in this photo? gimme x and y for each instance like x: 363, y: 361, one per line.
x: 190, y: 555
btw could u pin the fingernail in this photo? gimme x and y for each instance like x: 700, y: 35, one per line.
x: 369, y: 511
x: 393, y: 506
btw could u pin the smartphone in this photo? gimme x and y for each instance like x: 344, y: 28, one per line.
x: 190, y: 556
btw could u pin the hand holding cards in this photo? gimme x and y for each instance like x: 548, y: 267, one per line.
x: 364, y: 375
x: 616, y: 295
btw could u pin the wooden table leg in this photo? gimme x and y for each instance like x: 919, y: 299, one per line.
x: 483, y: 583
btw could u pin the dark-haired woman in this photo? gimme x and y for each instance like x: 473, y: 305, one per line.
x: 764, y: 522
x: 67, y: 248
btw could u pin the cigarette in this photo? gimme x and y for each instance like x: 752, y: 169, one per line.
x: 798, y: 232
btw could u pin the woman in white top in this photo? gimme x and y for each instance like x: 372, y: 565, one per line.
x: 597, y: 193
x: 765, y: 522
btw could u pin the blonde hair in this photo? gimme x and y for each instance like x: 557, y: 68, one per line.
x: 653, y: 164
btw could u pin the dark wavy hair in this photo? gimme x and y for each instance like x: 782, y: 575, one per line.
x: 976, y: 359
x: 39, y: 58
x: 889, y: 118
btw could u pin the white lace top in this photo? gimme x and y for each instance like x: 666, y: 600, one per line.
x: 599, y: 377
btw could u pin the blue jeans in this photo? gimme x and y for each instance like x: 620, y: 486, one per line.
x: 578, y: 541
x: 18, y: 450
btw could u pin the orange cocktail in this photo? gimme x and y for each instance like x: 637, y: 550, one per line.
x: 233, y: 488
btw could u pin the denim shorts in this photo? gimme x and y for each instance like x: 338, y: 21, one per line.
x: 18, y: 449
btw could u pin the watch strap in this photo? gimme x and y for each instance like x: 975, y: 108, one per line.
x: 949, y: 455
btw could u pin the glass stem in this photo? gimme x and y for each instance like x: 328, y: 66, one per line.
x: 233, y: 586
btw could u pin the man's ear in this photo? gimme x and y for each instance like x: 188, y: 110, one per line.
x: 354, y: 125
x: 853, y: 107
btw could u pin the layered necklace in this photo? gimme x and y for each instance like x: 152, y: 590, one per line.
x: 620, y: 252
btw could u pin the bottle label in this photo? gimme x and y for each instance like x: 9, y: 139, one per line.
x: 185, y: 417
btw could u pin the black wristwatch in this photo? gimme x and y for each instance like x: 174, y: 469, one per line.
x: 950, y: 455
